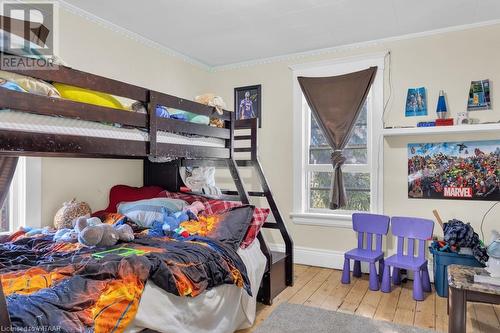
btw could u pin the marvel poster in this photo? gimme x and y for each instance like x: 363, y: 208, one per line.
x: 454, y: 170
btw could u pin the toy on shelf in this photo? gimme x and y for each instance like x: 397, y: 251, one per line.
x: 442, y: 110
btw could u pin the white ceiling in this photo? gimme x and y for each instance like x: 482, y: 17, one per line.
x: 221, y: 32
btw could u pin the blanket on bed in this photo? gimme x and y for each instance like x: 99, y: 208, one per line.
x: 66, y: 287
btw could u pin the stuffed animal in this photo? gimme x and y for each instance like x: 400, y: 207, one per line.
x: 194, y: 209
x: 211, y: 100
x: 69, y: 212
x: 66, y: 235
x: 172, y: 220
x: 92, y: 232
x: 30, y: 231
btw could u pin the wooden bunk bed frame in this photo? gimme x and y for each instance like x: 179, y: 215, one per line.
x: 279, y: 271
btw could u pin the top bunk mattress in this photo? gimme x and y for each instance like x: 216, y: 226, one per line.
x: 28, y: 122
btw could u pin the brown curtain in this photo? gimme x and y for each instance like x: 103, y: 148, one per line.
x: 336, y: 102
x: 7, y: 168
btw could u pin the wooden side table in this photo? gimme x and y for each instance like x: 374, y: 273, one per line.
x: 463, y: 289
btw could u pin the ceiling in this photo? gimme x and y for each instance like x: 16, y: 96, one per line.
x: 222, y: 32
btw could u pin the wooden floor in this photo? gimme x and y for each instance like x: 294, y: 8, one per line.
x: 321, y: 287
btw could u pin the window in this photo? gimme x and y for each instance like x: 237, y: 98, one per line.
x: 23, y: 203
x: 312, y: 164
x: 356, y: 169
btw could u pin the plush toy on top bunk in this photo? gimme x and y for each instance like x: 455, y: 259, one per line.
x: 217, y: 102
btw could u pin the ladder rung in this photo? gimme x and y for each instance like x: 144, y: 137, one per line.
x: 244, y: 163
x: 250, y: 193
x: 243, y: 137
x: 271, y: 225
x: 243, y: 150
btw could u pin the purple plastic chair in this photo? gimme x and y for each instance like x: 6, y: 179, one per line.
x: 371, y: 224
x: 413, y: 229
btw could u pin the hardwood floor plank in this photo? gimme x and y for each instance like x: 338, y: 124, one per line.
x: 441, y: 314
x: 425, y: 312
x: 369, y: 304
x: 472, y: 325
x: 320, y: 295
x: 336, y: 296
x: 387, y: 306
x: 405, y: 310
x: 354, y: 297
x: 303, y: 294
x: 487, y: 318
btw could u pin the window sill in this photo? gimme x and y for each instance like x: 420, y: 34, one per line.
x: 323, y: 220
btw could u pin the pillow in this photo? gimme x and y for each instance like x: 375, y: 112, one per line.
x: 11, y: 85
x: 88, y: 96
x: 125, y: 193
x: 145, y: 212
x: 187, y: 116
x: 228, y: 227
x: 258, y: 218
x: 31, y: 84
x: 213, y: 206
x: 200, y: 119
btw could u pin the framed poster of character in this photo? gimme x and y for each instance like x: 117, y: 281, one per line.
x: 466, y: 170
x: 248, y: 103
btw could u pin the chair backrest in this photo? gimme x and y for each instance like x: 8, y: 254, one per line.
x: 370, y: 224
x: 412, y: 228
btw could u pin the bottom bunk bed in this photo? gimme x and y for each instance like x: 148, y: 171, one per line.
x: 207, y: 281
x: 222, y: 309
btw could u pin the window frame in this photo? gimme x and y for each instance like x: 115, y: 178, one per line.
x: 25, y: 194
x: 302, y: 214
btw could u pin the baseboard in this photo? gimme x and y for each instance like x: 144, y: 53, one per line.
x: 325, y: 258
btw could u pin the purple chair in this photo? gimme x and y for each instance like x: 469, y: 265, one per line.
x: 413, y: 229
x: 371, y: 224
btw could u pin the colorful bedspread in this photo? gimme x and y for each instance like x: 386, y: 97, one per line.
x: 66, y: 287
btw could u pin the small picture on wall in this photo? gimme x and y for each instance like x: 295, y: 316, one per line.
x: 479, y: 96
x: 247, y: 103
x: 416, y: 102
x: 466, y: 170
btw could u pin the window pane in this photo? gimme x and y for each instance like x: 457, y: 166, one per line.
x: 4, y: 216
x: 357, y: 189
x: 356, y: 151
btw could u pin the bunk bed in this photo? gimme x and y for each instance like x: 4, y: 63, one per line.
x: 46, y: 126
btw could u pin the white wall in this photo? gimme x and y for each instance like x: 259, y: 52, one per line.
x: 91, y: 47
x: 446, y: 61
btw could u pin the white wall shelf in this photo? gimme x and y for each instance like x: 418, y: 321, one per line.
x: 436, y: 130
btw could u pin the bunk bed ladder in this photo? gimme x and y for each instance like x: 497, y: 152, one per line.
x: 279, y: 273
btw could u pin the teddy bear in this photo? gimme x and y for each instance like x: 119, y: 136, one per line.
x: 92, y: 232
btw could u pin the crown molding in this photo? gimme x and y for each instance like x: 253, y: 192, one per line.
x: 282, y: 58
x: 131, y: 35
x: 353, y: 46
